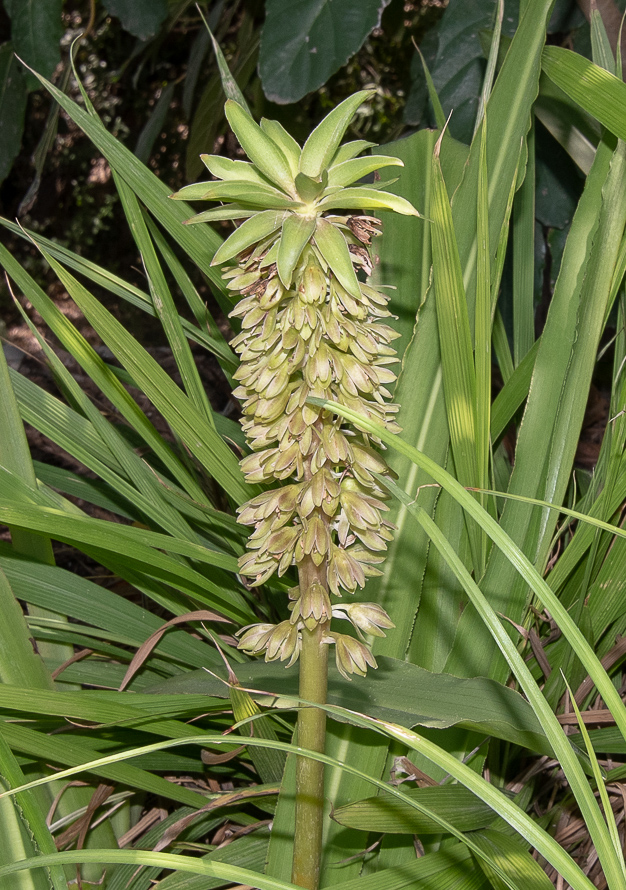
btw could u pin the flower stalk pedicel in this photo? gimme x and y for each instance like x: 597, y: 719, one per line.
x: 309, y: 328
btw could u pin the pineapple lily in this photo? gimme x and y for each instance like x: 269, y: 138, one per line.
x: 310, y: 328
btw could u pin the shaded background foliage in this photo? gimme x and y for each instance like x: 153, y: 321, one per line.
x: 150, y: 73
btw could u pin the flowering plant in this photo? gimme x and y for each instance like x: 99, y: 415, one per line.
x: 309, y: 328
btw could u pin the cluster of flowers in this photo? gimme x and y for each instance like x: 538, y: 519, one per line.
x: 310, y: 330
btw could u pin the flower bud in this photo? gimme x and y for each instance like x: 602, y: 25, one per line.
x: 352, y: 656
x: 313, y: 607
x: 367, y: 618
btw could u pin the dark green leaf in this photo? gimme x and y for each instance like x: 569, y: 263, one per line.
x: 306, y: 41
x: 141, y: 18
x: 36, y: 29
x: 12, y: 107
x: 399, y: 692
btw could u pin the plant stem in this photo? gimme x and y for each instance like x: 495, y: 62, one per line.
x: 307, y: 848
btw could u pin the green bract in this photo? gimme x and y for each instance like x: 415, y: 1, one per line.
x: 305, y: 182
x: 310, y: 327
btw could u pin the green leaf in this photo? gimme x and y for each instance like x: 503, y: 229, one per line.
x: 349, y: 171
x: 13, y: 95
x: 229, y: 84
x: 399, y: 692
x: 595, y: 90
x: 36, y: 31
x: 514, y: 859
x: 523, y: 224
x: 306, y: 41
x: 254, y: 194
x: 30, y: 806
x: 389, y: 815
x: 600, y: 45
x: 284, y: 141
x: 368, y: 199
x: 141, y: 18
x: 455, y: 342
x: 216, y: 214
x: 334, y: 249
x: 297, y: 230
x: 225, y: 168
x: 350, y: 150
x: 249, y: 232
x: 322, y: 144
x: 226, y: 872
x: 262, y: 151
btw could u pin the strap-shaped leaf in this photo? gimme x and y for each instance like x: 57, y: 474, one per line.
x: 249, y: 232
x: 350, y: 150
x: 284, y: 141
x: 225, y: 168
x: 231, y: 211
x: 390, y: 815
x: 349, y: 171
x: 368, y: 199
x: 261, y: 150
x: 254, y: 194
x: 296, y: 232
x: 323, y: 142
x: 334, y: 248
x: 595, y: 90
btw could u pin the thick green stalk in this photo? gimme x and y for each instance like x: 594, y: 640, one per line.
x: 307, y: 847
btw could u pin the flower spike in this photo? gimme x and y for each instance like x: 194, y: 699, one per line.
x: 310, y: 327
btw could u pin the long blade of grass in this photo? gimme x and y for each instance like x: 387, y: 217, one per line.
x: 524, y: 258
x: 501, y: 804
x: 164, y: 303
x: 513, y: 554
x: 482, y: 331
x: 457, y: 360
x: 199, y: 245
x: 213, y: 341
x: 32, y: 812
